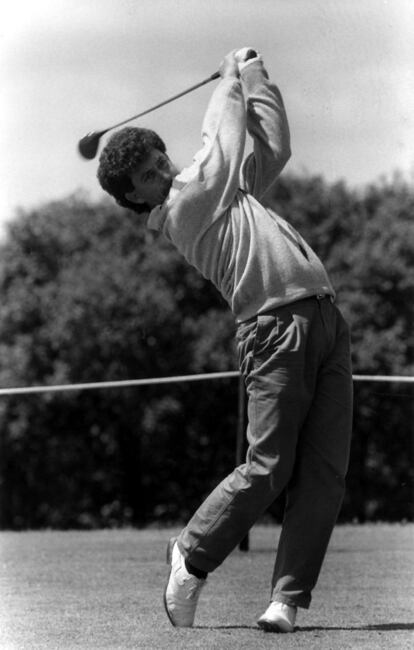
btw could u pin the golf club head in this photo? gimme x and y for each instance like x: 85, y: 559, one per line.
x: 88, y: 145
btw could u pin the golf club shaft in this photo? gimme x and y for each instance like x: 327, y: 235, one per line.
x: 166, y: 101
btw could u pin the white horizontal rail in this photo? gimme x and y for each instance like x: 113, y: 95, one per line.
x: 117, y: 384
x: 397, y: 378
x: 27, y: 390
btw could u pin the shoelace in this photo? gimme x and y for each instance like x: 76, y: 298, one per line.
x: 193, y: 587
x: 193, y: 590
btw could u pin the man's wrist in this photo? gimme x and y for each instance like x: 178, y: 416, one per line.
x: 253, y: 74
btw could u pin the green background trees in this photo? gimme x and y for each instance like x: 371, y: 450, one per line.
x: 88, y: 294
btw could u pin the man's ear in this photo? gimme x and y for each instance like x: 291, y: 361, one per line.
x: 132, y: 196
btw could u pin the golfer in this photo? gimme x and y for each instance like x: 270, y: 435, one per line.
x: 293, y: 343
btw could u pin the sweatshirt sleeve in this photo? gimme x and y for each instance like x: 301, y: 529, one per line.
x: 268, y: 125
x: 208, y: 187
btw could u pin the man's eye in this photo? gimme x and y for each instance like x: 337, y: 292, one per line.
x: 149, y: 176
x: 162, y: 163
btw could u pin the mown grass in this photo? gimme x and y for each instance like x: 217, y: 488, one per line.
x: 103, y: 589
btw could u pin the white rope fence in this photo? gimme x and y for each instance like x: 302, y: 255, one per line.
x: 396, y: 378
x: 27, y: 390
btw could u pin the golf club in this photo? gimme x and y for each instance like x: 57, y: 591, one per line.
x: 88, y: 145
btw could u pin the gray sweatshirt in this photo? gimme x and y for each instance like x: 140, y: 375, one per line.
x: 213, y: 214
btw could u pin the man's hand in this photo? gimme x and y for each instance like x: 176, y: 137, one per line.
x: 229, y: 66
x: 245, y: 54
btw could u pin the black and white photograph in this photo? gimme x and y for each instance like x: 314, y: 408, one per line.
x: 206, y: 324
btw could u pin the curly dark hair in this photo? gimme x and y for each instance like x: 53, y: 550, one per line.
x: 124, y: 151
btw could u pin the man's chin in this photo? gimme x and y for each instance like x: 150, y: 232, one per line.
x: 166, y: 193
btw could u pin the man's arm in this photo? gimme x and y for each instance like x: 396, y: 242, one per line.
x: 208, y: 187
x: 267, y: 124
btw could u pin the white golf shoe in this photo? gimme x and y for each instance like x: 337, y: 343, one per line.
x: 278, y: 618
x: 182, y: 590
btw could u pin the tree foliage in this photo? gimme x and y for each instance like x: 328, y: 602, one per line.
x: 88, y: 294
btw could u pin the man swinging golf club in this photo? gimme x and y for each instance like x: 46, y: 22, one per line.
x: 293, y: 343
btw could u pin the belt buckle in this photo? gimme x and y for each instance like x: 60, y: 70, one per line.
x: 322, y: 296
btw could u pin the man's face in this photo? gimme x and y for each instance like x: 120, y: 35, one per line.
x: 152, y: 179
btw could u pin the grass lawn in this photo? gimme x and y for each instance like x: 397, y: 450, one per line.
x: 103, y: 589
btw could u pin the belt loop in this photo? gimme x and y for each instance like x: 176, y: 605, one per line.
x: 322, y: 296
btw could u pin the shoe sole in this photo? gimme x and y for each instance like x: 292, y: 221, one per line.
x: 268, y: 626
x: 170, y: 547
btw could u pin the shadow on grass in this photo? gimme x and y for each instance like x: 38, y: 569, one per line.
x: 270, y: 550
x: 383, y: 627
x: 226, y: 627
